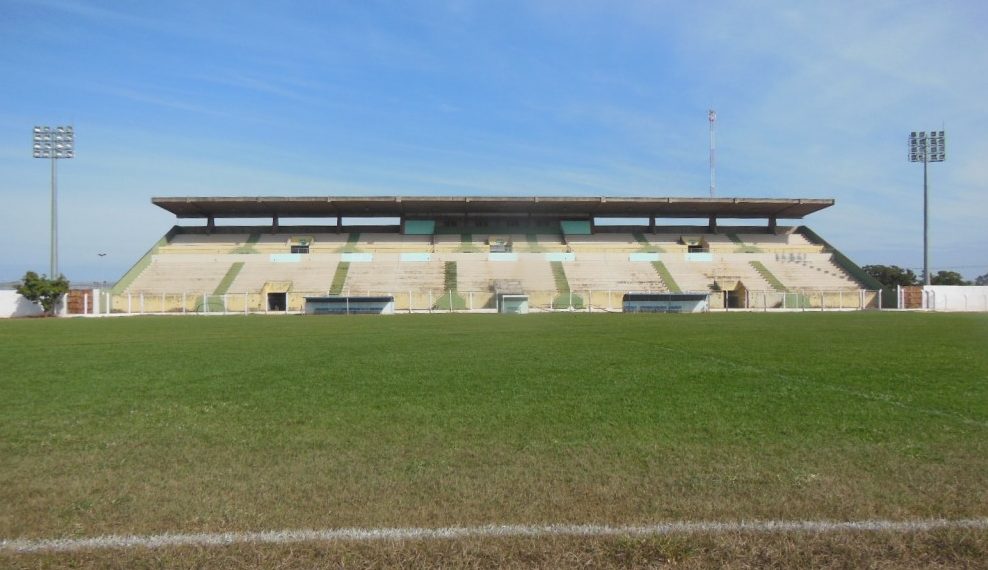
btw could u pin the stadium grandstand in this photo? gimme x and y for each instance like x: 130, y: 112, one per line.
x: 461, y: 253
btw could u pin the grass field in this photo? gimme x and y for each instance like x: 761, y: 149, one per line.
x: 211, y: 424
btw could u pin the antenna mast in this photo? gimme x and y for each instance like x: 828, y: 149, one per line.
x: 712, y: 117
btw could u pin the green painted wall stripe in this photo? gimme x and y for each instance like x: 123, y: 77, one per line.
x: 666, y: 277
x: 768, y: 275
x: 228, y: 279
x: 339, y: 278
x: 559, y: 276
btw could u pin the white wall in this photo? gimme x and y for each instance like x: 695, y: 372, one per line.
x: 955, y: 298
x: 12, y: 304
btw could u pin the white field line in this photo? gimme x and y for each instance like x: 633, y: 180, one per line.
x: 487, y: 531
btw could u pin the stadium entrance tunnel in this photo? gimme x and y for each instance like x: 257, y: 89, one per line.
x: 277, y: 301
x: 737, y: 297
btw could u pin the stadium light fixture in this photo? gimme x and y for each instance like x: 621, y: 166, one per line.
x: 54, y: 143
x: 927, y: 147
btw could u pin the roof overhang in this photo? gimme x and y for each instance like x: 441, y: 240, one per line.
x: 424, y: 206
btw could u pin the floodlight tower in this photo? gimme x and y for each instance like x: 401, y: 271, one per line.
x: 54, y: 143
x: 712, y: 118
x: 927, y: 147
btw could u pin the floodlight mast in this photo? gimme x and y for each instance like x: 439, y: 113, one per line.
x: 54, y: 143
x: 926, y: 148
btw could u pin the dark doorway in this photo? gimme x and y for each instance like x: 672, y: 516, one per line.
x: 277, y: 301
x: 737, y: 298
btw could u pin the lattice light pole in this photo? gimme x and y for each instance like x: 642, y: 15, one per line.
x: 927, y: 147
x: 54, y: 143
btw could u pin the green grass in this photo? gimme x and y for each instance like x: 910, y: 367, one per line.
x: 185, y: 424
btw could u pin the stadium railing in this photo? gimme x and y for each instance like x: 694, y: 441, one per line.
x: 430, y: 301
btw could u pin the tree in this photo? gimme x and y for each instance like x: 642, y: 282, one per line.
x: 43, y: 291
x: 981, y: 280
x: 948, y: 278
x: 892, y: 275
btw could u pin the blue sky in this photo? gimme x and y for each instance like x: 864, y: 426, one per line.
x: 814, y: 100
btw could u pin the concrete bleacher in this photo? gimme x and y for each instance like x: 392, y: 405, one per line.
x: 599, y: 271
x: 476, y: 273
x: 311, y: 273
x: 620, y: 261
x: 604, y: 242
x: 669, y: 243
x: 198, y: 272
x: 394, y: 242
x: 388, y: 273
x: 788, y: 242
x: 812, y: 270
x: 204, y: 243
x: 689, y: 275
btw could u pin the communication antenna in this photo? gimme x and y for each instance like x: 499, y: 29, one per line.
x: 712, y: 117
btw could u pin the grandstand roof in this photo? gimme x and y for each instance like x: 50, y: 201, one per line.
x: 400, y: 206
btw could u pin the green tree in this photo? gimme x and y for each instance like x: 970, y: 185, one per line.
x: 43, y: 291
x: 948, y: 278
x: 981, y: 280
x: 892, y: 275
